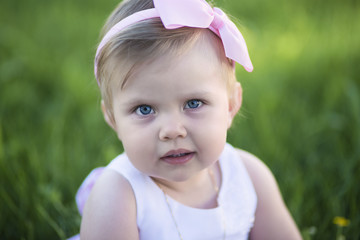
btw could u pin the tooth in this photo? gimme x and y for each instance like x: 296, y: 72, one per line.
x: 178, y: 155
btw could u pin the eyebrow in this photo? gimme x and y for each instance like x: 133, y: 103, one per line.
x: 198, y: 94
x: 135, y: 102
x: 141, y: 99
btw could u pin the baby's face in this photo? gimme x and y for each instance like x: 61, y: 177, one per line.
x: 172, y: 116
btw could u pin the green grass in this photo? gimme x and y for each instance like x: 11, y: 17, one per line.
x: 301, y: 110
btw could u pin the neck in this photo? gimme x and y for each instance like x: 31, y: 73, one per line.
x: 198, y: 191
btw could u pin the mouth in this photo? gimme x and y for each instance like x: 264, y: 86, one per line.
x: 177, y: 157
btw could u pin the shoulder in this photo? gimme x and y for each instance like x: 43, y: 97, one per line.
x: 272, y: 218
x: 110, y: 211
x: 261, y: 176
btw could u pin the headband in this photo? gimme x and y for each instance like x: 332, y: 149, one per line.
x: 188, y: 13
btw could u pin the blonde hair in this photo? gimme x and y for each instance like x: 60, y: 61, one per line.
x: 147, y: 40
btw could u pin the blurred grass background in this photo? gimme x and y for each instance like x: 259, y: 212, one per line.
x: 300, y: 115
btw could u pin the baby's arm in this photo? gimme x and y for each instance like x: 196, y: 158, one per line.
x: 272, y: 218
x: 110, y: 211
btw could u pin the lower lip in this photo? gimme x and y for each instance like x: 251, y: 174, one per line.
x: 178, y: 160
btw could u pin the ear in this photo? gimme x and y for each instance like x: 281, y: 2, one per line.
x: 235, y: 102
x: 107, y: 116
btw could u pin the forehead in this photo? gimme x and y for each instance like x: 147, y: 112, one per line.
x: 198, y: 64
x: 163, y: 54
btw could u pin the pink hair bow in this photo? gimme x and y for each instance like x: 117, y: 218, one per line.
x: 190, y: 13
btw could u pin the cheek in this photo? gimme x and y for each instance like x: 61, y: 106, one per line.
x: 211, y: 139
x: 214, y: 126
x: 139, y: 147
x: 134, y: 136
x: 137, y: 139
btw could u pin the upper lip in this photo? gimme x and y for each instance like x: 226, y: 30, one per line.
x: 173, y: 153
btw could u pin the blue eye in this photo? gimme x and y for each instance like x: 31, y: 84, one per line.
x: 193, y: 103
x: 144, y: 110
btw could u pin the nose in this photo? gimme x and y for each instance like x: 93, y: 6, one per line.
x: 172, y: 127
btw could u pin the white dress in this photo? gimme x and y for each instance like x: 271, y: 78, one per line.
x: 237, y: 203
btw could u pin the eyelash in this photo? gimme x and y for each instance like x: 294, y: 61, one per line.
x: 198, y: 102
x: 138, y: 110
x: 150, y: 110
